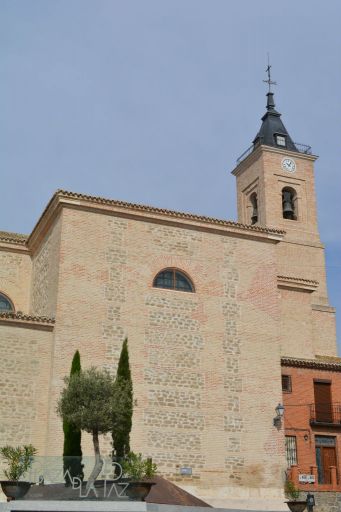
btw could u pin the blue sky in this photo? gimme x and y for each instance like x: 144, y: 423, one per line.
x: 152, y: 101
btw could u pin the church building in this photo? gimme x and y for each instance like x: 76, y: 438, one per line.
x: 211, y: 309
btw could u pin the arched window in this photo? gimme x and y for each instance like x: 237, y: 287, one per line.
x: 289, y: 203
x: 254, y: 207
x: 5, y: 304
x: 173, y: 279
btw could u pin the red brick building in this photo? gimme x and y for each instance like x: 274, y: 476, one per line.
x: 312, y: 421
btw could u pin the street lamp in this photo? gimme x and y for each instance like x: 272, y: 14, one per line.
x: 279, y: 415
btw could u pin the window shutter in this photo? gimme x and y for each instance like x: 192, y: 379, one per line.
x: 323, y: 402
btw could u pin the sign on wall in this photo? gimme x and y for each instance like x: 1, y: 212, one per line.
x: 306, y: 479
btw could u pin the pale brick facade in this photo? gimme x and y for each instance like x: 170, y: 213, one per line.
x: 206, y: 366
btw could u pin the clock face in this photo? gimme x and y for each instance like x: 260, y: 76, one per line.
x: 288, y: 164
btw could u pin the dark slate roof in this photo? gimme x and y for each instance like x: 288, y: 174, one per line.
x: 271, y: 125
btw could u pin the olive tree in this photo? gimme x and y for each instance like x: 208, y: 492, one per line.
x: 95, y: 402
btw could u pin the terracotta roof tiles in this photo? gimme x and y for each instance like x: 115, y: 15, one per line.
x: 320, y: 363
x: 13, y: 238
x: 168, y: 213
x: 26, y: 318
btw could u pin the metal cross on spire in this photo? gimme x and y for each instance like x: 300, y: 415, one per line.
x: 268, y: 71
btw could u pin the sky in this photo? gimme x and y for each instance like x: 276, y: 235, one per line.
x: 152, y: 101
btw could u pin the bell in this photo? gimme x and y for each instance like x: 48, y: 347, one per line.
x: 254, y: 216
x: 288, y: 211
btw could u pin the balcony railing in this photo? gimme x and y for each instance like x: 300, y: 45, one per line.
x: 325, y: 414
x: 314, y: 478
x: 301, y: 148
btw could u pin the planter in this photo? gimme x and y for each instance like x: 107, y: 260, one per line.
x: 15, y: 489
x: 296, y: 506
x: 137, y: 491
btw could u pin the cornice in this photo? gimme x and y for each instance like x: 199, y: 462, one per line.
x: 252, y: 157
x: 13, y: 242
x: 333, y: 364
x: 63, y: 198
x: 286, y: 152
x: 297, y: 283
x: 12, y: 247
x: 262, y: 147
x: 323, y: 308
x: 27, y: 321
x: 49, y: 214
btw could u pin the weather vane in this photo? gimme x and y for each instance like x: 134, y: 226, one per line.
x: 268, y: 71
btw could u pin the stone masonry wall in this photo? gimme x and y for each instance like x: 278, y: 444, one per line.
x: 203, y: 363
x: 24, y: 384
x: 45, y: 262
x: 327, y: 501
x: 15, y: 277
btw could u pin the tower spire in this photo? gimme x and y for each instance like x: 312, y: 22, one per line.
x: 268, y: 71
x: 272, y: 131
x: 270, y: 104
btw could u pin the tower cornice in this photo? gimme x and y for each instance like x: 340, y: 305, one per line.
x: 255, y: 154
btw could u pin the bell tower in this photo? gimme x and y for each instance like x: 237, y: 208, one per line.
x: 275, y: 180
x: 275, y: 188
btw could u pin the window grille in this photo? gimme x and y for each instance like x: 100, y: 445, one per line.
x: 286, y: 383
x: 291, y: 450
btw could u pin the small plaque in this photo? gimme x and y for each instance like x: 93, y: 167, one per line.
x: 306, y: 479
x: 186, y: 471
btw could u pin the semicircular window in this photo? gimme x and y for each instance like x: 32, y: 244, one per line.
x: 173, y: 279
x: 5, y: 304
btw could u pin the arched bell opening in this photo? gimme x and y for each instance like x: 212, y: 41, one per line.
x: 289, y: 203
x: 254, y: 207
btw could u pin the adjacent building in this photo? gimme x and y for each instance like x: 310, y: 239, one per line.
x: 312, y: 419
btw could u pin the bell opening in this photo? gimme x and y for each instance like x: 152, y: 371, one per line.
x: 289, y: 200
x: 254, y: 204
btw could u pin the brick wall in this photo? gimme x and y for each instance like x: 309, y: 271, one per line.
x: 45, y: 268
x: 198, y: 360
x: 24, y: 383
x: 300, y: 254
x: 297, y: 416
x: 15, y: 276
x: 205, y: 365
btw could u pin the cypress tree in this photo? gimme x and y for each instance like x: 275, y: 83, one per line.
x: 72, y: 453
x: 121, y: 431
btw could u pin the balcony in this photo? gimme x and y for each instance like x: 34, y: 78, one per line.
x: 325, y: 415
x: 301, y: 148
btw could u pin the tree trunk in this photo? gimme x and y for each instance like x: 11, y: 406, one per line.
x: 98, y: 462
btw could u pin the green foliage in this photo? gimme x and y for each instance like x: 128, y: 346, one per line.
x: 121, y: 429
x: 72, y: 452
x: 93, y: 401
x: 18, y: 459
x: 137, y: 468
x: 291, y: 491
x: 123, y: 369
